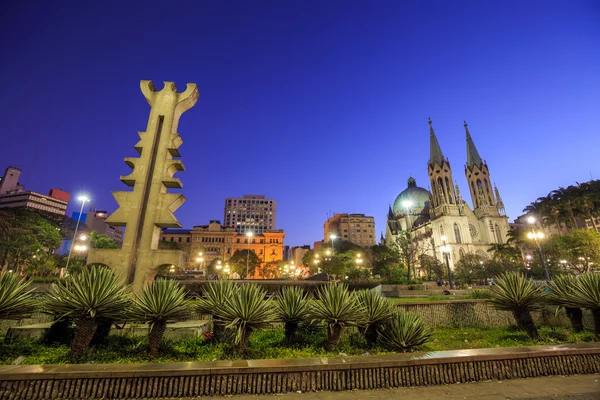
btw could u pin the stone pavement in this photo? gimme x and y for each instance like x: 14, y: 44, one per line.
x: 578, y: 387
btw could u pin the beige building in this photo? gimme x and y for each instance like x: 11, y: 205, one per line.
x: 205, y: 243
x: 95, y: 221
x: 250, y: 213
x: 431, y: 216
x: 355, y: 228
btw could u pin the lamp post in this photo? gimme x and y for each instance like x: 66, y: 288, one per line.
x: 332, y: 237
x: 359, y: 260
x: 446, y: 252
x: 536, y: 236
x: 407, y: 204
x: 83, y: 200
x: 248, y: 236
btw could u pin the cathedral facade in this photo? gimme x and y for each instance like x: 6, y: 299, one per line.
x: 440, y: 219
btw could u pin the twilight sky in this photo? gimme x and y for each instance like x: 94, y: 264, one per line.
x: 321, y: 105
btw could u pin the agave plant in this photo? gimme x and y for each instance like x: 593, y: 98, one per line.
x: 378, y: 310
x: 404, y: 331
x: 244, y: 311
x: 586, y: 294
x: 514, y: 293
x: 337, y: 308
x: 213, y: 300
x: 291, y: 309
x: 561, y: 289
x: 94, y: 295
x: 161, y: 302
x: 16, y: 301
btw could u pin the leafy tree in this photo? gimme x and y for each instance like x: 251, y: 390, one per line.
x: 237, y: 262
x: 100, y: 241
x: 25, y: 235
x: 576, y: 251
x: 469, y: 268
x: 272, y: 269
x: 384, y: 259
x: 169, y: 245
x: 432, y: 267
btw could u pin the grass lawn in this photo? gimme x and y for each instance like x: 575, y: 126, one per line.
x: 269, y: 344
x: 428, y: 299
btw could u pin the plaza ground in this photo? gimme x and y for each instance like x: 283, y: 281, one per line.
x: 578, y: 387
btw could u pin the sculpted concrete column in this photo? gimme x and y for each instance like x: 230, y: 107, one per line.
x: 148, y: 207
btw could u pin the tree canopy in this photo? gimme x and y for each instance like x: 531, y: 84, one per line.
x: 237, y: 262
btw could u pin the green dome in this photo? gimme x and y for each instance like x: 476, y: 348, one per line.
x: 417, y: 196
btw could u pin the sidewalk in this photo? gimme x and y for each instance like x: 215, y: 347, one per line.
x: 578, y: 387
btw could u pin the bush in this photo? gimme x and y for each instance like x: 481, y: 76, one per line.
x: 16, y: 302
x: 213, y: 299
x: 586, y: 294
x: 291, y: 309
x: 245, y: 311
x: 337, y: 308
x: 93, y: 296
x: 404, y: 331
x: 378, y: 311
x: 481, y: 294
x: 561, y: 288
x: 161, y: 302
x: 513, y: 292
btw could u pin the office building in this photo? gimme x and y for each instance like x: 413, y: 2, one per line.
x: 355, y: 228
x: 250, y: 213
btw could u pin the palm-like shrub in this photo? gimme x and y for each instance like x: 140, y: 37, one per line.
x: 291, y: 309
x: 514, y: 293
x: 245, y: 311
x: 213, y: 300
x: 337, y: 308
x: 561, y: 289
x: 16, y: 301
x: 161, y: 302
x: 404, y: 331
x: 378, y: 310
x: 586, y: 294
x: 94, y: 295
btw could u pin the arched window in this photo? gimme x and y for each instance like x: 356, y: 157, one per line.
x: 488, y: 193
x: 457, y: 233
x: 441, y: 187
x: 498, y: 234
x: 462, y: 253
x: 449, y: 191
x: 479, y: 185
x: 474, y: 195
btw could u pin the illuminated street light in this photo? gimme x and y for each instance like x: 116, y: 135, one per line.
x: 536, y: 236
x: 249, y: 234
x: 83, y: 237
x: 83, y: 199
x: 445, y: 249
x: 332, y: 237
x: 219, y: 266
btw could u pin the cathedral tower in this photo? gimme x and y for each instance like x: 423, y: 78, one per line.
x: 478, y: 177
x: 444, y: 199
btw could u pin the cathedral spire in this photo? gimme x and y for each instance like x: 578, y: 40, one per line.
x: 435, y: 152
x: 473, y: 157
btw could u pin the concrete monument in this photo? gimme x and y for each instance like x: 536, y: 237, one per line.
x: 148, y: 207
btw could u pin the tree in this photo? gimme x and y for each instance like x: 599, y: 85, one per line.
x: 272, y: 269
x: 576, y: 251
x: 169, y: 245
x: 100, y: 241
x: 432, y: 267
x: 237, y: 262
x: 384, y: 259
x: 24, y: 236
x: 469, y: 268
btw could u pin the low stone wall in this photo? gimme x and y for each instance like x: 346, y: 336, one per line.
x: 477, y: 313
x: 138, y: 381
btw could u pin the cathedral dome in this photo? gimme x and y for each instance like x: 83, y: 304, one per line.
x: 417, y: 196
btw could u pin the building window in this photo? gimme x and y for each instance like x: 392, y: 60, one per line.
x: 498, y: 234
x: 457, y: 233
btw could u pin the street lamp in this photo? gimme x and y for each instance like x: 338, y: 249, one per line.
x: 219, y: 266
x: 83, y: 199
x: 332, y: 237
x: 248, y: 236
x: 407, y: 204
x: 536, y: 236
x: 445, y: 248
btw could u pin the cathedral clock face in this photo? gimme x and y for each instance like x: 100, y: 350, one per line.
x: 472, y: 230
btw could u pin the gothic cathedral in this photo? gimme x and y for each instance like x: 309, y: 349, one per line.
x: 439, y: 219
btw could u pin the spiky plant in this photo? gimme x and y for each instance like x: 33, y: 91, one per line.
x: 244, y: 311
x: 213, y: 299
x: 291, y: 309
x: 561, y: 288
x: 404, y: 331
x: 161, y: 302
x: 16, y: 301
x: 337, y: 308
x: 378, y: 310
x: 586, y: 294
x: 95, y: 294
x: 513, y: 292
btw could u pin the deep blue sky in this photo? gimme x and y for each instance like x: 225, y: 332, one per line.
x: 322, y: 105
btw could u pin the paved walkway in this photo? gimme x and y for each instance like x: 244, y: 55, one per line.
x: 579, y: 387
